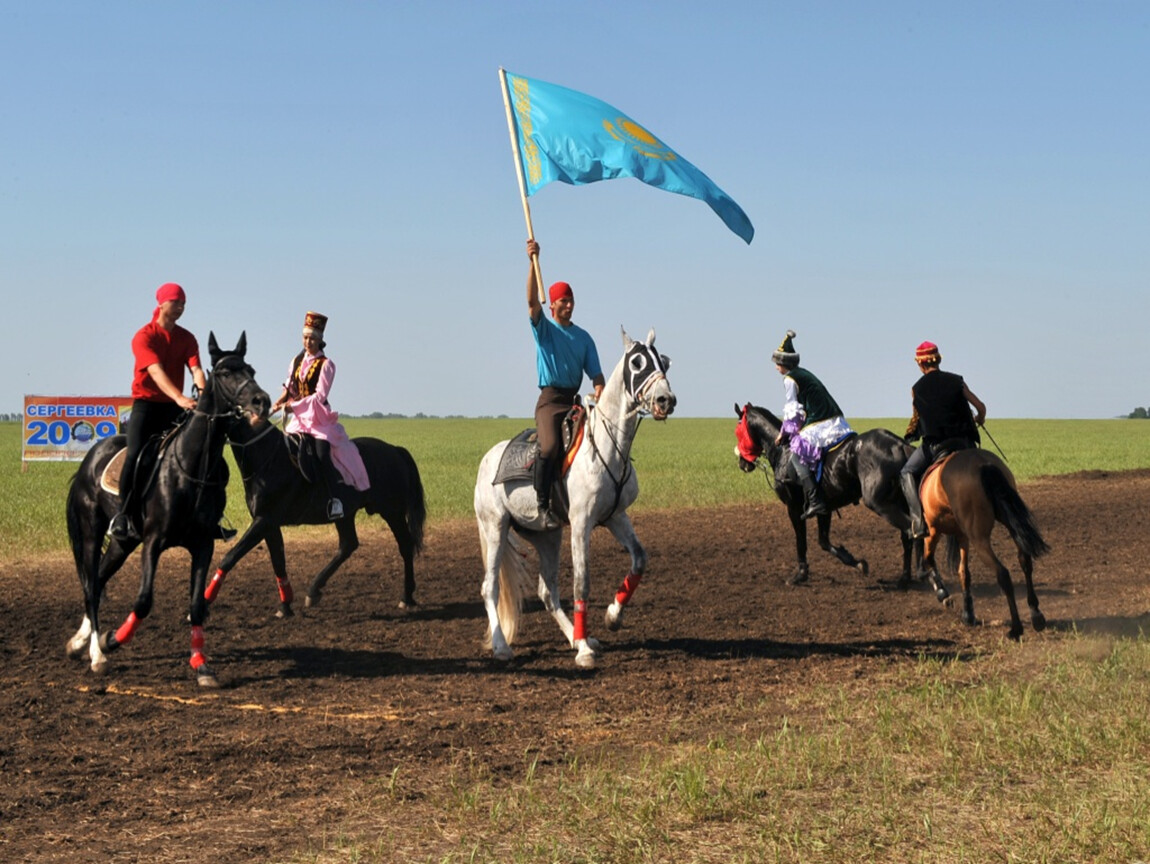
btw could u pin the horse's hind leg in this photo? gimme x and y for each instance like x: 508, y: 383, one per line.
x: 348, y: 543
x: 987, y: 556
x: 620, y: 526
x: 547, y: 545
x: 964, y: 582
x: 840, y: 552
x: 403, y: 539
x: 930, y: 567
x: 1037, y: 619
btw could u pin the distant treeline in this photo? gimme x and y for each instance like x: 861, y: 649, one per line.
x: 1139, y: 414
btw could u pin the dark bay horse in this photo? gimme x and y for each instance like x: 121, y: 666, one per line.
x: 278, y: 494
x: 963, y: 495
x: 863, y: 468
x: 182, y: 506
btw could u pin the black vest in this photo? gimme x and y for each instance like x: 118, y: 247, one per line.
x: 817, y: 403
x: 942, y: 409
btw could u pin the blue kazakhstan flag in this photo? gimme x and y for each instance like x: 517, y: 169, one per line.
x: 569, y: 136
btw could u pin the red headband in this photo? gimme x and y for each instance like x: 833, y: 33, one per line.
x: 170, y: 291
x: 558, y: 290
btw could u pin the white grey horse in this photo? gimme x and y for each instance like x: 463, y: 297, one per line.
x: 601, y: 485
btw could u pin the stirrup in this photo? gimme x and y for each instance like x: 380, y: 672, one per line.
x: 334, y: 509
x: 121, y: 528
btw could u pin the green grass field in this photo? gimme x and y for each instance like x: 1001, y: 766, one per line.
x: 685, y: 462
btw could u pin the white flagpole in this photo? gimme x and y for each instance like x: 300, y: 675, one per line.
x: 522, y: 182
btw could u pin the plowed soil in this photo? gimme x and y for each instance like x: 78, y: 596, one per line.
x: 142, y: 765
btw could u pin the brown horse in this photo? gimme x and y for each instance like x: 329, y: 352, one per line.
x: 963, y: 495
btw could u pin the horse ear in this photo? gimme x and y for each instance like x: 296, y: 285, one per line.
x: 666, y: 362
x: 738, y: 411
x: 213, y: 349
x: 627, y: 340
x: 242, y: 345
x: 650, y: 337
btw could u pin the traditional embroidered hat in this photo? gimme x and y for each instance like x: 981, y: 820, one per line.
x: 313, y: 322
x: 927, y: 352
x: 785, y: 354
x: 170, y: 291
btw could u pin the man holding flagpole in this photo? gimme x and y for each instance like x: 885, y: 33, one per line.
x: 563, y: 352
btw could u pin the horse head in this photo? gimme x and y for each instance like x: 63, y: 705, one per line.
x: 232, y: 383
x: 755, y: 433
x: 645, y: 376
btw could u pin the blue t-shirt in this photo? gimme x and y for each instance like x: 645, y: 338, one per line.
x: 563, y: 354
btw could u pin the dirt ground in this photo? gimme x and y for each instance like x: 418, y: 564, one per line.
x: 141, y: 765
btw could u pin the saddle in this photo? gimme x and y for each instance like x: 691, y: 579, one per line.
x: 146, y: 464
x: 942, y: 452
x: 518, y: 460
x: 301, y: 454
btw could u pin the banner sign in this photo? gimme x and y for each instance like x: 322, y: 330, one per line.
x: 64, y: 428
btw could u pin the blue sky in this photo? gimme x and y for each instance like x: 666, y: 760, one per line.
x: 977, y: 174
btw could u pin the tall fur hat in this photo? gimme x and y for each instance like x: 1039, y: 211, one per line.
x: 785, y: 354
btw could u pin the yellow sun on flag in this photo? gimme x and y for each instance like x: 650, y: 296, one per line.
x: 628, y: 131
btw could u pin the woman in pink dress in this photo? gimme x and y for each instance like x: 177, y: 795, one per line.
x: 304, y: 398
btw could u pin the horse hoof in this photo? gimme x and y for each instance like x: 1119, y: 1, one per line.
x: 1015, y: 633
x: 76, y: 651
x: 285, y: 611
x: 207, y: 679
x: 1038, y: 622
x: 585, y: 659
x: 311, y: 600
x: 100, y: 667
x: 863, y: 568
x: 408, y: 603
x: 800, y: 578
x: 504, y: 654
x: 613, y: 617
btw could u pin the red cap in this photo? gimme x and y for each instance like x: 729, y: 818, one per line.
x: 560, y: 289
x: 170, y: 291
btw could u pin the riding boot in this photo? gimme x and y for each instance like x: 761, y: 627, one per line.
x: 542, y: 479
x: 816, y: 505
x: 909, y: 484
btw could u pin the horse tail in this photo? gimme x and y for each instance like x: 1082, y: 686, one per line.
x: 416, y: 502
x: 1011, y: 511
x: 514, y: 586
x: 75, y: 530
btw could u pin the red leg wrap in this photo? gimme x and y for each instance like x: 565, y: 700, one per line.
x: 127, y: 629
x: 580, y: 620
x: 214, y: 586
x: 627, y: 588
x: 286, y: 593
x: 198, y: 658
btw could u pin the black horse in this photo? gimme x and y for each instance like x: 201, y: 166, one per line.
x: 181, y: 504
x: 864, y: 467
x: 278, y: 494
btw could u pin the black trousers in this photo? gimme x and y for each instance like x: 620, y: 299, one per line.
x: 147, y: 419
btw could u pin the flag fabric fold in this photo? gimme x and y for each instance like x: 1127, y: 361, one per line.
x: 569, y: 136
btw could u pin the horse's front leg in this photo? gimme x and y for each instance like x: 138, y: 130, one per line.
x: 799, y: 526
x: 149, y: 558
x: 240, y: 548
x: 198, y: 611
x: 586, y: 649
x: 621, y: 528
x: 840, y: 552
x: 348, y: 543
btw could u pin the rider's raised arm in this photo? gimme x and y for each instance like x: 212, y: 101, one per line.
x: 534, y: 307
